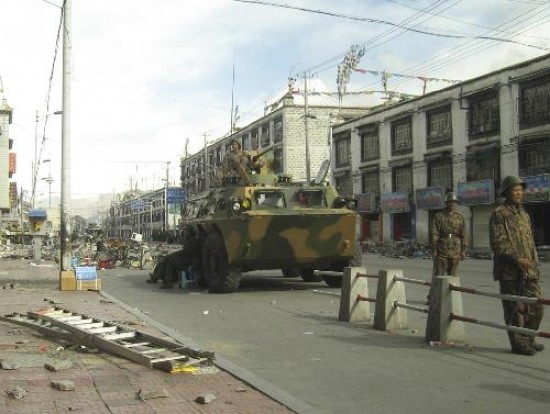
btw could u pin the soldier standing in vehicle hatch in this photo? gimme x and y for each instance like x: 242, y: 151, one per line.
x: 448, y: 238
x: 238, y: 156
x: 515, y: 264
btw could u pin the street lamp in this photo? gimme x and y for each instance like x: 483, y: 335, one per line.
x: 49, y: 180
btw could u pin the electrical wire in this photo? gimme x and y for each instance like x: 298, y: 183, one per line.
x: 48, y: 99
x: 386, y: 22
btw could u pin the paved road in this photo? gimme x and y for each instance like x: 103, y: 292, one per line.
x: 282, y: 332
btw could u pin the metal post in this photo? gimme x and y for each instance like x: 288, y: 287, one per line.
x: 308, y: 165
x: 65, y: 260
x: 35, y: 164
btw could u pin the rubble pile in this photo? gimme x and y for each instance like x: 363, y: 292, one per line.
x: 113, y: 253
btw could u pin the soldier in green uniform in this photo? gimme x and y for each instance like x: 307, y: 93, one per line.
x: 171, y: 266
x: 516, y: 264
x: 448, y: 238
x: 238, y: 156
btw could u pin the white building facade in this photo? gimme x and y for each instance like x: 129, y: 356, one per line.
x: 401, y: 159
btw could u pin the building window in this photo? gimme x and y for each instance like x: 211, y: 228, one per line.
x: 278, y: 162
x: 342, y: 148
x: 535, y: 103
x: 371, y: 182
x: 278, y: 130
x: 484, y: 116
x: 483, y: 164
x: 254, y: 139
x: 344, y: 185
x: 402, y: 179
x: 266, y: 138
x: 534, y: 157
x: 440, y: 173
x: 439, y: 127
x: 370, y: 145
x: 218, y: 156
x: 401, y: 142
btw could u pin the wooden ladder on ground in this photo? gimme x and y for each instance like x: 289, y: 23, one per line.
x: 112, y: 338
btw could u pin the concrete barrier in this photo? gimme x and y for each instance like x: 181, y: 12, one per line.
x: 443, y: 303
x: 386, y: 315
x: 352, y: 310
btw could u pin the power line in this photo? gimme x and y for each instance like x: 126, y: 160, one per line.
x: 386, y: 22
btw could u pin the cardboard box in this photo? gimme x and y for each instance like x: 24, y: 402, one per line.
x: 85, y: 272
x: 88, y: 284
x: 68, y: 280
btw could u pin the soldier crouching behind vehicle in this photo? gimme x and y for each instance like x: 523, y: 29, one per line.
x: 516, y: 265
x: 169, y: 268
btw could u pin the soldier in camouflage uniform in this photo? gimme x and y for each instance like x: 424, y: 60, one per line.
x: 236, y: 156
x: 516, y: 264
x: 448, y: 238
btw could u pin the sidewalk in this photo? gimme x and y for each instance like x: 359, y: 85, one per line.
x: 104, y: 383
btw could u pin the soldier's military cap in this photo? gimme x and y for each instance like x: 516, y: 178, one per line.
x: 510, y: 181
x: 451, y: 197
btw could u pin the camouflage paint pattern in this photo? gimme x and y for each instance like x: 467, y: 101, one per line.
x: 319, y: 237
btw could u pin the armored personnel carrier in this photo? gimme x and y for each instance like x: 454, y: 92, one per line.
x: 256, y: 220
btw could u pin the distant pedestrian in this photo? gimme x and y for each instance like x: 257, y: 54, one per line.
x: 516, y: 264
x: 448, y: 240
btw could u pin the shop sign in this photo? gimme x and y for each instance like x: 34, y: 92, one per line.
x: 476, y: 192
x: 430, y: 198
x: 365, y: 203
x: 538, y: 188
x: 176, y: 195
x: 395, y: 202
x: 137, y: 205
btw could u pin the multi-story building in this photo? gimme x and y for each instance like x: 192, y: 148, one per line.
x: 7, y: 159
x: 153, y: 214
x: 283, y: 129
x: 401, y: 159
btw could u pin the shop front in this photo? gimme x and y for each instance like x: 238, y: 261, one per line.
x: 371, y: 219
x: 397, y: 207
x: 537, y: 204
x: 479, y: 196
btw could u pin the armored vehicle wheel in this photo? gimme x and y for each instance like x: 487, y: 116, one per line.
x: 291, y: 272
x: 309, y: 275
x: 220, y: 277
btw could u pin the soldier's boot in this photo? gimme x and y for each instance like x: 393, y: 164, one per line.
x: 524, y: 350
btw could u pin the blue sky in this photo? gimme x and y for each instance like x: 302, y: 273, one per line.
x: 148, y: 74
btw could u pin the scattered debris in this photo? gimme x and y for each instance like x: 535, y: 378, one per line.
x: 63, y: 385
x: 9, y: 365
x: 151, y: 395
x: 59, y: 365
x: 17, y: 393
x: 205, y: 398
x: 442, y: 344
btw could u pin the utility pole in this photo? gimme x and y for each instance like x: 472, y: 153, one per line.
x: 206, y: 166
x: 166, y: 197
x: 35, y: 164
x: 306, y: 116
x: 65, y: 259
